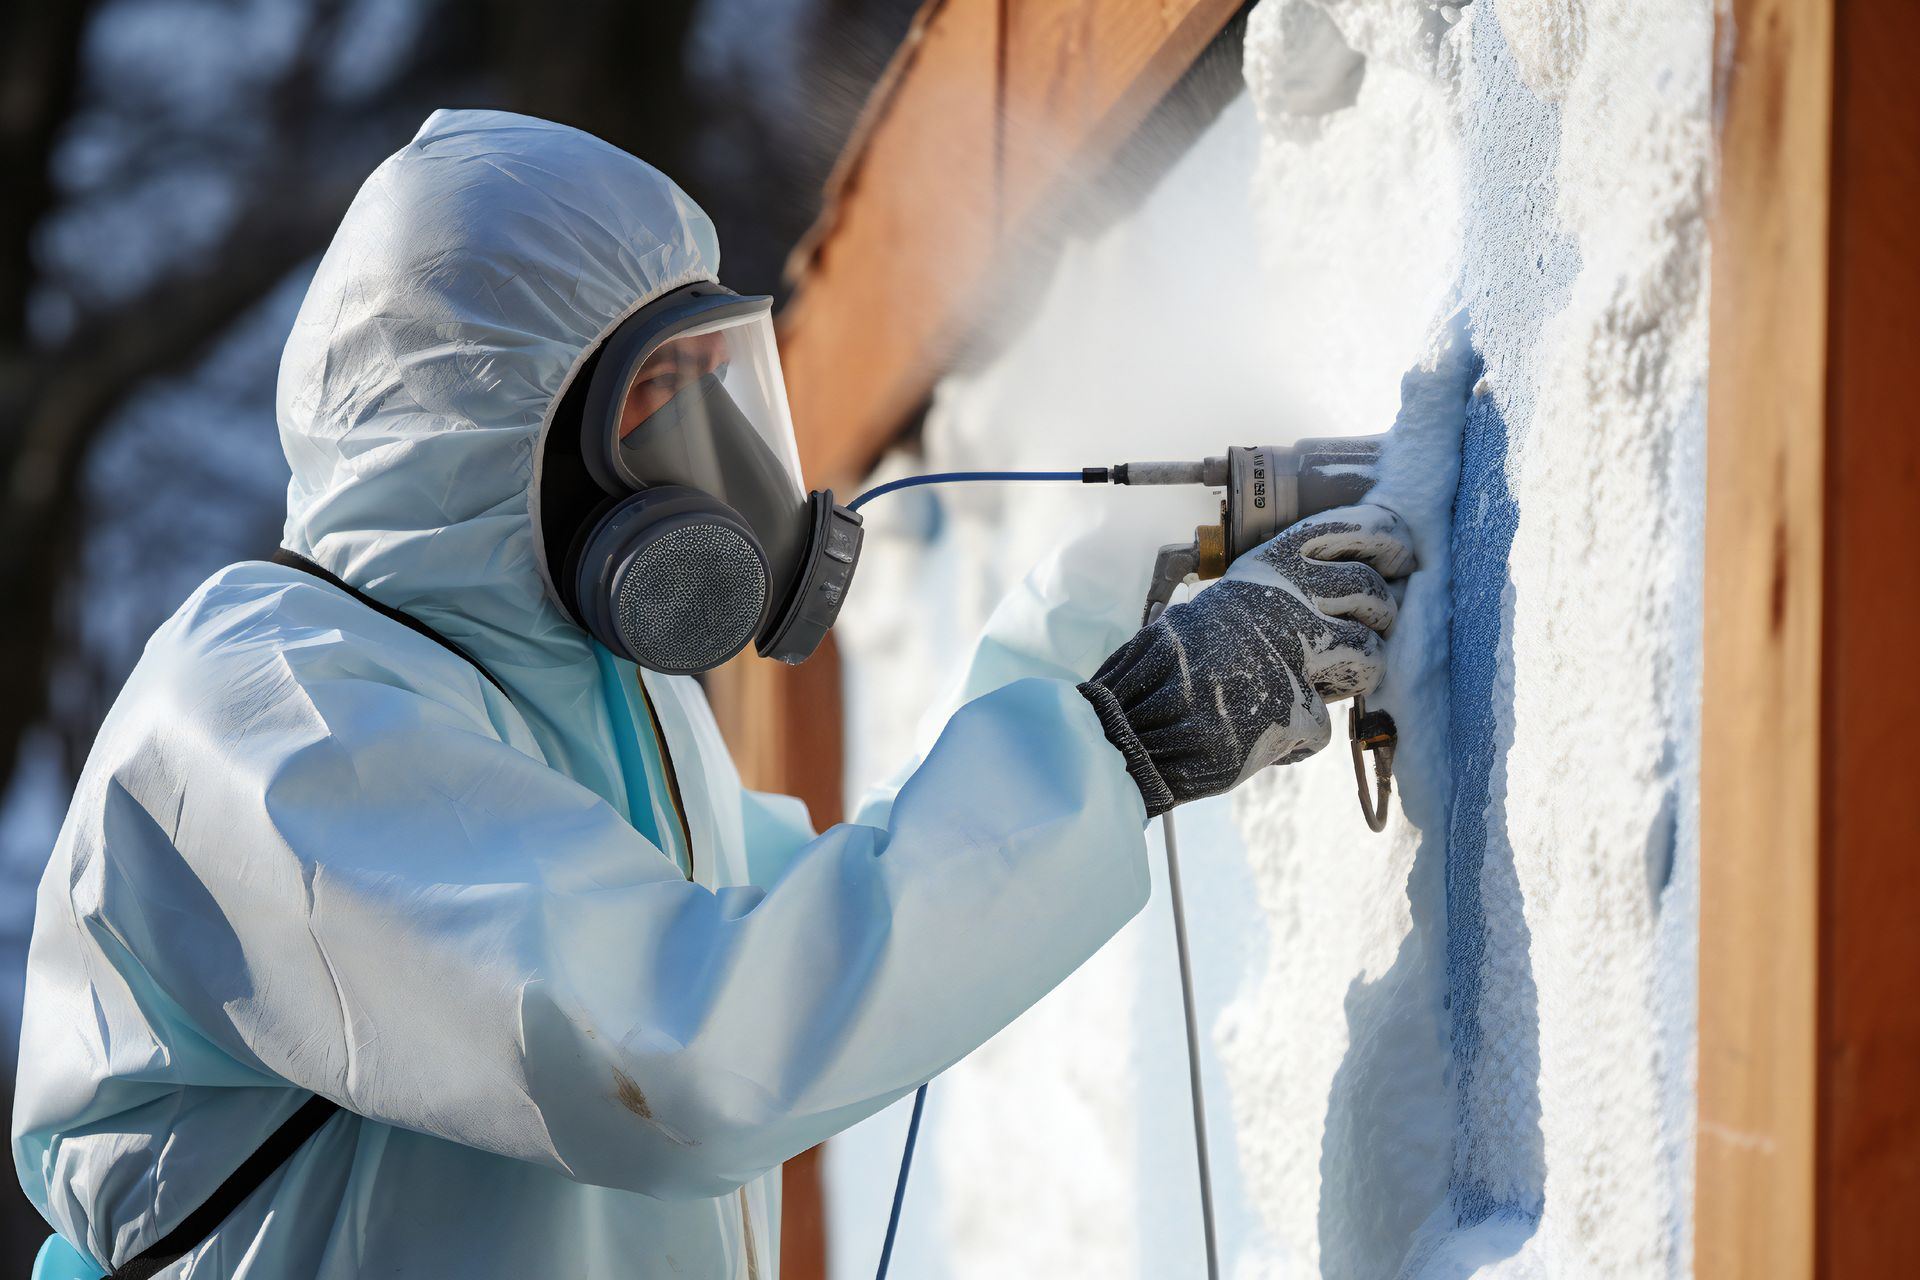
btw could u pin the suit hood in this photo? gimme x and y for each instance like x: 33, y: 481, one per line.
x: 474, y: 272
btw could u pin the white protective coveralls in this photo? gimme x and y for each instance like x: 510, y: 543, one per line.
x: 315, y: 851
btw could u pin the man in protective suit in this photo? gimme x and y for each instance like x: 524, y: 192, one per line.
x: 410, y: 918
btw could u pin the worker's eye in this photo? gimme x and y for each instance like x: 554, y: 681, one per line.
x: 671, y: 370
x: 662, y: 383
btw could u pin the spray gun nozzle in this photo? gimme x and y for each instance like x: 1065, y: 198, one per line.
x: 1211, y: 472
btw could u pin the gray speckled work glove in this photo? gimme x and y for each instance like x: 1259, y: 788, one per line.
x: 1239, y: 677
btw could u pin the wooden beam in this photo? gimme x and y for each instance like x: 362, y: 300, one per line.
x: 1760, y: 715
x: 1078, y: 77
x: 992, y: 115
x: 1809, y: 1139
x: 1868, y: 1161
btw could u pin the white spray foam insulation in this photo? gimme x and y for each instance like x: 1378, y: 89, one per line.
x: 1463, y: 1047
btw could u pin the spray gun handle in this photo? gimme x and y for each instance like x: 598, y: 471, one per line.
x: 1176, y: 563
x: 1369, y: 732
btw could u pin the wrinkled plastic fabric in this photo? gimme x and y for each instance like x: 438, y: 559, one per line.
x: 315, y: 851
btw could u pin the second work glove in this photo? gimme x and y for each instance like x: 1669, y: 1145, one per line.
x: 1239, y: 678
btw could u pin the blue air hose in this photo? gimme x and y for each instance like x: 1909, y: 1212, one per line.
x: 963, y: 477
x: 900, y: 1187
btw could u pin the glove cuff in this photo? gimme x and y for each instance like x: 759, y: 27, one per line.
x: 1113, y: 722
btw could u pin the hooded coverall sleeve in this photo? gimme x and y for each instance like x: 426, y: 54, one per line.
x: 393, y: 907
x: 1059, y: 622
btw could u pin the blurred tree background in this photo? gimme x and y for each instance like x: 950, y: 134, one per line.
x: 172, y: 170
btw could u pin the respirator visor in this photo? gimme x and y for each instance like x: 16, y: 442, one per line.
x: 687, y: 395
x: 692, y: 396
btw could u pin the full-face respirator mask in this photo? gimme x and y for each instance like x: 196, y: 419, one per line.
x: 674, y: 524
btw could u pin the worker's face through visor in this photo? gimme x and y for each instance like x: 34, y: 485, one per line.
x: 689, y: 393
x: 677, y: 364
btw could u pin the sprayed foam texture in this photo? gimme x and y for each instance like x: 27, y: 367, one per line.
x: 1463, y: 1047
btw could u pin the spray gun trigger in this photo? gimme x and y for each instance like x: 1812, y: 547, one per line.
x: 1372, y: 731
x: 1176, y: 562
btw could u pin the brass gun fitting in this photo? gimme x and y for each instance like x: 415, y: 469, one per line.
x: 1210, y: 547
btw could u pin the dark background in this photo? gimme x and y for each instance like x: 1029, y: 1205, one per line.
x: 171, y: 171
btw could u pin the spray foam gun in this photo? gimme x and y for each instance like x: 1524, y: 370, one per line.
x: 1267, y: 488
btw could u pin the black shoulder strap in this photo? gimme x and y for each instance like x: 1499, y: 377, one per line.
x: 294, y: 560
x: 243, y: 1182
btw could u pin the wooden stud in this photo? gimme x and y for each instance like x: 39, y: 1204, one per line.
x: 1761, y: 712
x: 1868, y: 1161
